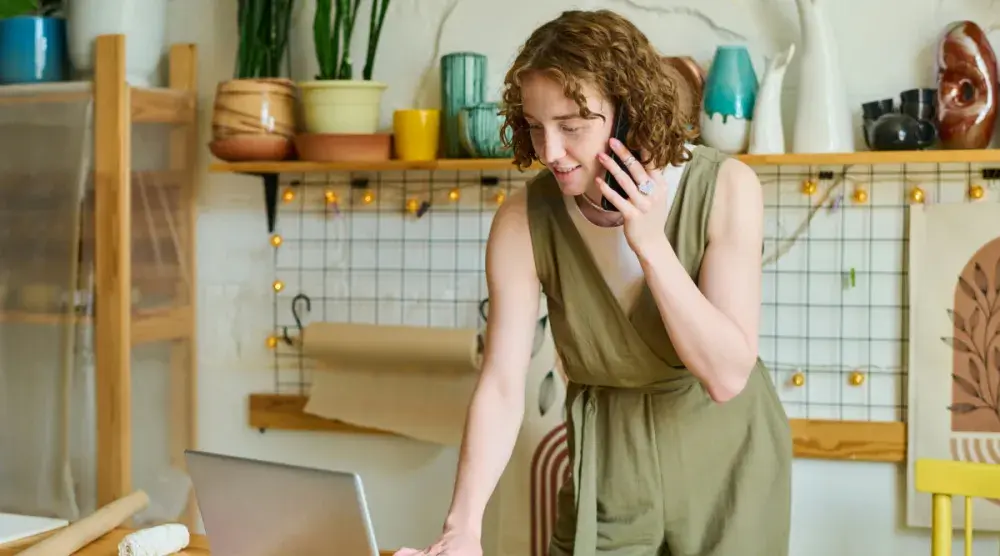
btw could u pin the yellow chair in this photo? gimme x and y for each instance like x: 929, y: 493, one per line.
x: 944, y: 479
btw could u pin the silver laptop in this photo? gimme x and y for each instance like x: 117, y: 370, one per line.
x: 259, y: 508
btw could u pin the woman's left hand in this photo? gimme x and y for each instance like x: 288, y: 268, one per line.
x: 645, y: 211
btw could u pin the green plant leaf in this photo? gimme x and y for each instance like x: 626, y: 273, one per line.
x: 14, y: 8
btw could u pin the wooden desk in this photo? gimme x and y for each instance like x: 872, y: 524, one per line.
x: 108, y: 545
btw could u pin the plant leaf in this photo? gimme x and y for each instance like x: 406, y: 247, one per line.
x: 974, y: 320
x: 965, y: 385
x: 980, y: 277
x: 962, y: 408
x: 956, y: 319
x: 974, y: 370
x: 996, y: 276
x: 966, y: 288
x: 957, y: 344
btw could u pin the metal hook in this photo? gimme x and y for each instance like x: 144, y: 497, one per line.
x: 295, y: 315
x: 484, y: 307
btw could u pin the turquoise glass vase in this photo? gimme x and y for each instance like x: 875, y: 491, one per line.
x: 731, y: 86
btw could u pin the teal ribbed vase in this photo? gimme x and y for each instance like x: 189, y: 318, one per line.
x: 463, y: 83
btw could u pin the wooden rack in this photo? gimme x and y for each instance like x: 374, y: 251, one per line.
x: 120, y: 323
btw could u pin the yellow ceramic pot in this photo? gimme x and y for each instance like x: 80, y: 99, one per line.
x: 416, y: 134
x: 341, y: 106
x: 253, y: 119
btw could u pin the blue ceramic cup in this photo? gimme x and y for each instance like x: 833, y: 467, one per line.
x: 32, y: 49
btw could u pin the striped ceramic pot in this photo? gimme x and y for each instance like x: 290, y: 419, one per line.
x: 253, y: 119
x: 463, y: 83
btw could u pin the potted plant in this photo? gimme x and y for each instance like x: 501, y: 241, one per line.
x: 32, y: 41
x: 336, y: 102
x: 254, y: 113
x: 143, y: 23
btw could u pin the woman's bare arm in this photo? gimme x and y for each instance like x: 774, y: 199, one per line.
x: 497, y: 406
x: 713, y: 324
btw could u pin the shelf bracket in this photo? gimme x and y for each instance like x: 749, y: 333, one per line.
x: 270, y: 198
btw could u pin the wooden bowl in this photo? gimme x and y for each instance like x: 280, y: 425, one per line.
x: 337, y: 147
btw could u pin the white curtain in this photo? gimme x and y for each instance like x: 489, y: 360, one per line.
x: 47, y: 432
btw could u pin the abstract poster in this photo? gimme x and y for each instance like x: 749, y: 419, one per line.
x: 954, y: 347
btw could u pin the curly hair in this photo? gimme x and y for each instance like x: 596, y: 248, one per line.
x: 608, y: 52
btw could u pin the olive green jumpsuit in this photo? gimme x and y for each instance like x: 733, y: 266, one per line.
x: 658, y: 466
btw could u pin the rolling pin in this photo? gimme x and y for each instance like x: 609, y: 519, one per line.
x: 84, y: 531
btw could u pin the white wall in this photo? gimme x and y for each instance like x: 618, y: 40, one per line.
x: 885, y: 46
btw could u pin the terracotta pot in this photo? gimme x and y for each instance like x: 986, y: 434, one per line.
x: 344, y: 147
x: 253, y: 119
x: 690, y: 79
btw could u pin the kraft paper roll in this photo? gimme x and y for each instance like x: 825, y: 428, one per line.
x: 375, y: 347
x: 413, y: 381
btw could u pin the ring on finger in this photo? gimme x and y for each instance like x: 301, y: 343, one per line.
x: 628, y: 161
x: 646, y: 187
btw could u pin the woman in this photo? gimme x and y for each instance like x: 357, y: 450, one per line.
x: 680, y: 445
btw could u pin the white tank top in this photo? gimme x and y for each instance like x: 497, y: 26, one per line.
x: 616, y: 261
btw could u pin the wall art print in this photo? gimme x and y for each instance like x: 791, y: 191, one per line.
x: 954, y: 359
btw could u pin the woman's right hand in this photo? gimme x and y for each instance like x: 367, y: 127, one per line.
x: 450, y: 544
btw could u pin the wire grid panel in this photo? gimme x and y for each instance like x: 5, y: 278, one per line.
x: 834, y: 323
x: 382, y: 248
x: 834, y: 301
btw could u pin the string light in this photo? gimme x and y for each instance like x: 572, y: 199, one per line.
x: 454, y: 194
x: 288, y: 195
x: 917, y: 194
x: 976, y: 192
x: 809, y: 187
x: 330, y: 197
x: 860, y: 195
x: 276, y: 240
x: 368, y: 197
x: 500, y: 197
x: 798, y: 379
x: 272, y: 342
x: 412, y: 205
x: 857, y: 378
x: 278, y: 285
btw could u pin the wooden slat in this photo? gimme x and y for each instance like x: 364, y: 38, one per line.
x: 113, y: 270
x: 816, y: 439
x: 499, y: 164
x: 162, y: 106
x: 850, y: 440
x: 159, y: 326
x: 183, y: 352
x: 284, y: 412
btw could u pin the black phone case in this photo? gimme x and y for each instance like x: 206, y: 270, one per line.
x: 620, y: 132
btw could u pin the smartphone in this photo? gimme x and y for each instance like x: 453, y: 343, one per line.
x: 620, y: 132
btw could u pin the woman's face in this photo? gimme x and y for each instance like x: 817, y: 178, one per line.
x: 564, y: 141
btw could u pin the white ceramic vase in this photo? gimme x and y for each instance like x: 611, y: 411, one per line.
x: 143, y: 22
x: 822, y: 116
x: 767, y: 135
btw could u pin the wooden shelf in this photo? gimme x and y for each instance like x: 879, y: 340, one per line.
x: 147, y: 105
x: 813, y: 439
x: 500, y: 164
x: 148, y: 325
